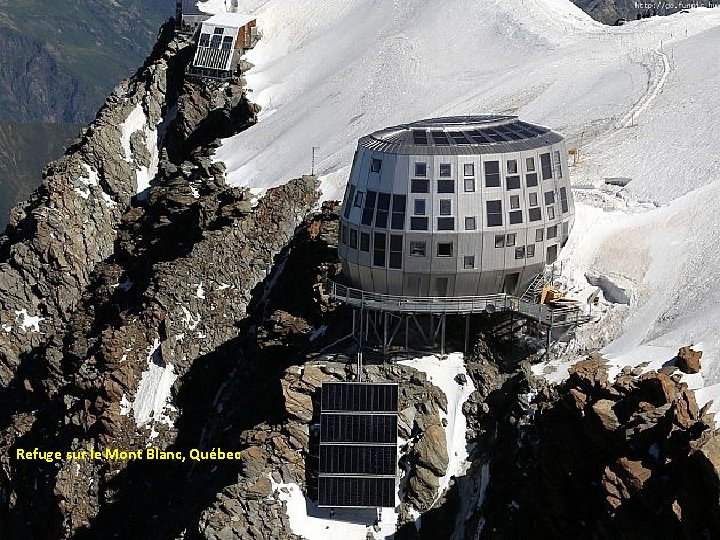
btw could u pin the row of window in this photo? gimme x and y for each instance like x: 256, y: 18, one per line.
x: 418, y: 248
x: 217, y: 41
x: 492, y: 169
x: 377, y: 210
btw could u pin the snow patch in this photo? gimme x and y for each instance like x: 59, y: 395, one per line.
x: 309, y: 521
x: 28, y: 322
x: 442, y: 373
x: 152, y: 398
x: 138, y: 121
x: 191, y: 321
x: 200, y: 292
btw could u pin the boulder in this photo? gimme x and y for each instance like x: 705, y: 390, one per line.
x: 431, y: 450
x: 423, y: 487
x: 603, y: 410
x: 297, y: 404
x: 688, y: 360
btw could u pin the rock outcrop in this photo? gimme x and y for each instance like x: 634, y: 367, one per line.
x: 634, y: 458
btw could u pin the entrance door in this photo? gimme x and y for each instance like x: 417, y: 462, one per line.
x: 510, y: 283
x: 552, y: 254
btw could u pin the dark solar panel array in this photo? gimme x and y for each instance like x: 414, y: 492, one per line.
x: 457, y: 133
x: 358, y: 428
x: 359, y: 397
x: 358, y: 445
x: 356, y: 491
x: 355, y: 459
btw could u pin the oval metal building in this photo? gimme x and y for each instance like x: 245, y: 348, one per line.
x: 458, y: 206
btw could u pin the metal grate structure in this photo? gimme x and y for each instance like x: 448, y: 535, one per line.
x: 358, y: 445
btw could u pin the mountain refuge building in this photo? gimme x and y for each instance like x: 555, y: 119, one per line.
x: 455, y: 207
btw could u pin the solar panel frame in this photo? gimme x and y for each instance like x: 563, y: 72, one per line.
x: 358, y: 428
x: 358, y: 444
x: 356, y: 491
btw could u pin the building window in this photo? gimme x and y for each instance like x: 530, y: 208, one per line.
x: 499, y: 240
x: 204, y: 40
x: 417, y: 249
x: 353, y: 238
x: 445, y: 249
x: 534, y: 214
x: 349, y: 202
x: 549, y: 197
x: 492, y: 174
x: 375, y: 165
x: 539, y: 234
x: 469, y: 185
x: 512, y: 166
x: 494, y: 213
x: 419, y: 185
x: 514, y: 201
x: 552, y: 232
x: 470, y: 224
x: 379, y: 240
x: 520, y: 252
x: 469, y: 262
x: 398, y: 212
x: 418, y: 224
x: 445, y: 170
x: 558, y: 164
x: 420, y: 169
x: 445, y: 207
x: 530, y: 251
x: 546, y: 166
x: 227, y: 43
x: 359, y: 199
x: 530, y: 164
x: 341, y: 233
x: 419, y: 207
x: 531, y: 180
x: 396, y: 251
x: 365, y: 242
x: 446, y: 186
x: 216, y: 39
x: 565, y: 229
x: 512, y: 182
x: 516, y: 217
x: 510, y: 239
x: 563, y: 200
x: 533, y: 199
x: 551, y: 212
x: 446, y: 223
x: 369, y: 210
x: 469, y: 169
x: 383, y: 210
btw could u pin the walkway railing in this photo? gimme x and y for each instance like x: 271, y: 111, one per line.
x: 461, y: 305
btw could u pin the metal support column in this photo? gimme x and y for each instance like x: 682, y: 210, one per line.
x: 467, y: 333
x: 442, y: 335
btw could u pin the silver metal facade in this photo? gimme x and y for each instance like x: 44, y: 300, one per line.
x: 458, y: 218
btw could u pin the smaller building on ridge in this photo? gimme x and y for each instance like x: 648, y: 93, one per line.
x: 222, y: 41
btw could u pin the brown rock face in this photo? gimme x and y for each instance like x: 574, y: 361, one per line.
x: 630, y: 459
x: 431, y: 450
x: 688, y: 360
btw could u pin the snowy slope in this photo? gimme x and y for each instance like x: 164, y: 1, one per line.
x: 641, y: 100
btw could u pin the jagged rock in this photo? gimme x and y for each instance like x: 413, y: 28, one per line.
x: 688, y: 360
x: 590, y: 373
x: 603, y: 410
x: 423, y: 486
x: 297, y: 404
x: 431, y: 450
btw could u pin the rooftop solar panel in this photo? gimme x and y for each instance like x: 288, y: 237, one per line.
x: 371, y: 492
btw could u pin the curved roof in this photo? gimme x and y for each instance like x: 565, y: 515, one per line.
x: 482, y: 134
